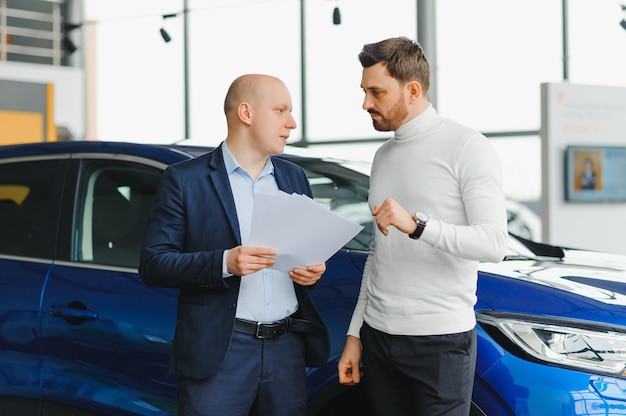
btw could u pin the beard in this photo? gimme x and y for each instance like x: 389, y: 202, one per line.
x: 395, y: 118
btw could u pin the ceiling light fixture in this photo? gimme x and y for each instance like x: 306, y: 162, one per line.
x: 166, y: 36
x: 623, y: 22
x: 336, y: 16
x: 68, y: 46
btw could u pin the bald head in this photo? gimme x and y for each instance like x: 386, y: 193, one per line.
x: 250, y: 88
x: 258, y: 113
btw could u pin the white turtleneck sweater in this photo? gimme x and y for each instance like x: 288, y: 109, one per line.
x: 428, y: 286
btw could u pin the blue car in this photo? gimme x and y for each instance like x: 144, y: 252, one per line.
x: 80, y: 334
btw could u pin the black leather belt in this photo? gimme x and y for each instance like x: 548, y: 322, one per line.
x: 269, y: 330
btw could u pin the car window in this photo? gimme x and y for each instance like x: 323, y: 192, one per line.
x: 29, y: 206
x: 115, y: 198
x: 345, y: 191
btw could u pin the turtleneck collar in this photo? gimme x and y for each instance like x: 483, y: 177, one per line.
x: 416, y: 125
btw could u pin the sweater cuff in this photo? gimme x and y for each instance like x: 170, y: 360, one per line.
x: 354, y: 329
x: 431, y: 232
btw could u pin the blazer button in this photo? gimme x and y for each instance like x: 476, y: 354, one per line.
x: 232, y: 306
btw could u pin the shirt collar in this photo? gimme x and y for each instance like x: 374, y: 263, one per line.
x: 232, y: 165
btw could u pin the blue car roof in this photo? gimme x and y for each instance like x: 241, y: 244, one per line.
x: 167, y: 153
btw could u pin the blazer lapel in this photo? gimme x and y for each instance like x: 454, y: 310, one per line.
x: 283, y: 180
x: 219, y: 178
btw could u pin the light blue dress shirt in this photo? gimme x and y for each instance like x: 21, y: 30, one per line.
x: 267, y: 295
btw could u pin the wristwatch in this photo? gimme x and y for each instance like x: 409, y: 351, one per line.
x: 421, y: 219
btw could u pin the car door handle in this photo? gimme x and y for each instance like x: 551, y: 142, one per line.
x: 74, y: 313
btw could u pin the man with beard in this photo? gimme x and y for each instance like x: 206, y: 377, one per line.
x: 437, y: 198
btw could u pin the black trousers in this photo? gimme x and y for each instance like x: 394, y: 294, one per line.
x: 418, y: 375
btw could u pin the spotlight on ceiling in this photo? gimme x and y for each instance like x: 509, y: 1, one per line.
x: 68, y: 46
x: 336, y: 16
x: 166, y: 36
x: 623, y: 22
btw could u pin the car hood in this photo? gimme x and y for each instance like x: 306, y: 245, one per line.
x: 576, y: 284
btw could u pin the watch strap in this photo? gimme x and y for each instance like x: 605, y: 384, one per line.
x: 421, y: 220
x: 418, y: 231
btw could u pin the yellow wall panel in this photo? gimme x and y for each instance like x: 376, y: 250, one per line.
x: 51, y: 131
x: 21, y: 127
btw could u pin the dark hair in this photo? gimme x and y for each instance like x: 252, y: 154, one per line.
x: 403, y: 57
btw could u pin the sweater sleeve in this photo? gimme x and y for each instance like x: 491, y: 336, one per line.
x: 484, y: 238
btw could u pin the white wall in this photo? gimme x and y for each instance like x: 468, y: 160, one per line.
x: 69, y: 90
x: 580, y: 115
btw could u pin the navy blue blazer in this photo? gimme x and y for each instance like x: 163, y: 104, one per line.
x: 192, y: 222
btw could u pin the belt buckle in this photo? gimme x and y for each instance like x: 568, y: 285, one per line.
x: 258, y: 334
x: 274, y: 329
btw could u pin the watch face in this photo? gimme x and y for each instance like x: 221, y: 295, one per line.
x: 421, y: 217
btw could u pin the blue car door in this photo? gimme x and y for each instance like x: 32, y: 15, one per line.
x: 106, y: 336
x: 30, y: 196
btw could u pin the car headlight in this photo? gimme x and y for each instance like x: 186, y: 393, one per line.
x: 580, y: 345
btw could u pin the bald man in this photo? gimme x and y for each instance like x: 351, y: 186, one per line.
x: 245, y: 333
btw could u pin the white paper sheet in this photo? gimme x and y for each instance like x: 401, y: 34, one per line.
x: 303, y: 232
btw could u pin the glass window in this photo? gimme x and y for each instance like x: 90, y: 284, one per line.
x: 520, y: 157
x: 114, y: 201
x: 29, y: 207
x: 596, y: 42
x: 491, y: 61
x: 521, y: 172
x: 332, y: 96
